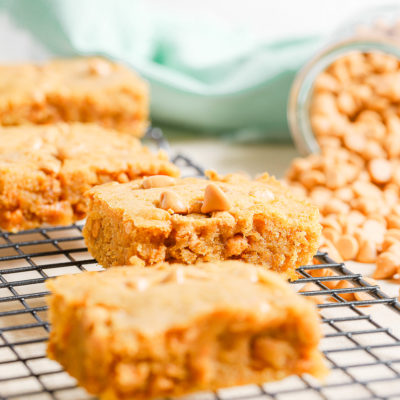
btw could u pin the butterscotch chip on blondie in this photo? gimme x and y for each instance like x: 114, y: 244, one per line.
x: 142, y: 333
x: 193, y: 219
x: 74, y: 90
x: 45, y: 170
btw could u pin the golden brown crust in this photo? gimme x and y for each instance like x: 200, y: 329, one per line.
x: 74, y: 90
x: 126, y: 222
x: 44, y: 170
x: 169, y: 330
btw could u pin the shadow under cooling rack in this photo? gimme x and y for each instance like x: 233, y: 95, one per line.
x: 363, y: 354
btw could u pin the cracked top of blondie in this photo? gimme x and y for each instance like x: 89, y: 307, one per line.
x: 151, y: 202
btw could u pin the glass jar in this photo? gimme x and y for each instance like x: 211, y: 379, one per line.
x: 377, y: 30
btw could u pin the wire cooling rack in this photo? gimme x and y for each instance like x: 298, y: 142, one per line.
x: 363, y: 355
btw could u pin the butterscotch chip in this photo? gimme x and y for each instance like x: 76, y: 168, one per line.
x: 340, y: 71
x: 325, y: 272
x: 366, y: 205
x: 330, y: 234
x: 345, y: 194
x: 312, y: 178
x: 366, y: 190
x: 312, y: 287
x: 393, y: 233
x: 363, y: 296
x: 335, y: 179
x: 157, y: 181
x: 386, y: 266
x: 380, y: 170
x: 374, y: 230
x: 355, y: 142
x: 343, y: 284
x: 396, y: 209
x: 369, y: 116
x: 347, y: 246
x: 355, y: 218
x: 390, y: 196
x: 394, y: 249
x: 382, y: 62
x: 351, y: 229
x: 74, y: 90
x: 214, y: 199
x: 320, y: 195
x: 300, y: 165
x: 325, y: 104
x: 282, y: 233
x: 330, y: 142
x: 346, y: 103
x: 379, y: 217
x: 170, y: 201
x: 321, y: 124
x: 367, y: 252
x: 329, y: 247
x: 336, y: 206
x: 392, y: 146
x: 326, y: 82
x: 331, y: 222
x: 45, y: 170
x: 393, y: 221
x: 364, y: 177
x: 373, y: 150
x: 266, y: 333
x: 388, y: 242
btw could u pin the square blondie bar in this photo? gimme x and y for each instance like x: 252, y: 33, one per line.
x: 74, y: 90
x: 142, y: 333
x: 45, y: 170
x: 194, y: 219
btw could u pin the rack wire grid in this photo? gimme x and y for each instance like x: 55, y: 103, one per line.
x: 363, y: 355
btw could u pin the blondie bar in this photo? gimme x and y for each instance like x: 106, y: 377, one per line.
x: 74, y: 90
x: 142, y: 333
x: 193, y: 219
x: 44, y: 170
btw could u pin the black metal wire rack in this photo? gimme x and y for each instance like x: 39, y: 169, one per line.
x: 363, y: 355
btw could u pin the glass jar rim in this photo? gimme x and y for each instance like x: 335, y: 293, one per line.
x: 301, y: 90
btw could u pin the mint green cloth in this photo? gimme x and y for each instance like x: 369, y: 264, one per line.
x: 203, y: 76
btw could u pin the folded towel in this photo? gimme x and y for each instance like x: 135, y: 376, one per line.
x: 204, y: 75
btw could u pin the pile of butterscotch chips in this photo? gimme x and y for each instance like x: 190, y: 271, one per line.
x: 355, y: 180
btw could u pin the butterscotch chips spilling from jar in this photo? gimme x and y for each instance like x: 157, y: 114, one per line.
x: 355, y: 180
